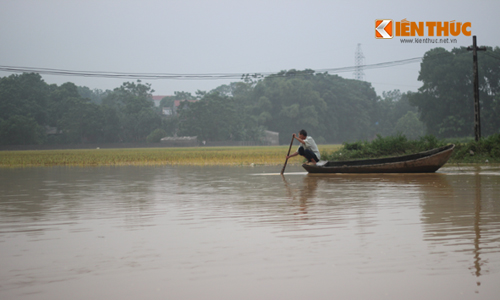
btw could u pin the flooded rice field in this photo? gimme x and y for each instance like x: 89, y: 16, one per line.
x: 248, y: 233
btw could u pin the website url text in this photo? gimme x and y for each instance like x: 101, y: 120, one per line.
x: 429, y: 41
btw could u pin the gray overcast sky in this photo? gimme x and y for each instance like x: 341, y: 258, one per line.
x: 237, y: 36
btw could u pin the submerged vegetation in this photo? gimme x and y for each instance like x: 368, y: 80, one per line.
x: 485, y: 150
x: 235, y: 156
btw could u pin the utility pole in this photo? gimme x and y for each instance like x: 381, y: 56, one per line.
x: 477, y: 118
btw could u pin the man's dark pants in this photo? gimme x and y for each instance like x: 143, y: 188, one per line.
x: 308, y: 154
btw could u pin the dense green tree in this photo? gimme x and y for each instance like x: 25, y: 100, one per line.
x: 112, y: 128
x: 330, y: 108
x: 410, y: 126
x: 21, y: 130
x: 135, y: 110
x: 216, y: 118
x: 130, y: 97
x: 23, y: 109
x: 156, y: 135
x: 138, y: 125
x: 446, y: 99
x: 61, y: 99
x: 390, y: 108
x: 170, y: 125
x: 77, y: 119
x: 95, y: 95
x: 24, y: 95
x: 83, y: 123
x: 212, y: 118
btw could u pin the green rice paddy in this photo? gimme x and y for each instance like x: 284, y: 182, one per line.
x: 199, y: 156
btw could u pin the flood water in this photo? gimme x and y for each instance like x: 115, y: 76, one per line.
x: 248, y: 233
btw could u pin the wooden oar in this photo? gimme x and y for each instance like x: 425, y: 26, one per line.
x: 284, y: 166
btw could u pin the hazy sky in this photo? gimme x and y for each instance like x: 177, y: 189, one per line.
x: 237, y: 36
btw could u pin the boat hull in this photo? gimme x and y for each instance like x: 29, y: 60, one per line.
x: 423, y: 162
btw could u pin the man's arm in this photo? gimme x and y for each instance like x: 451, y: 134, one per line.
x: 299, y: 139
x: 292, y: 155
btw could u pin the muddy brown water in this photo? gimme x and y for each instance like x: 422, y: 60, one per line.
x: 248, y: 233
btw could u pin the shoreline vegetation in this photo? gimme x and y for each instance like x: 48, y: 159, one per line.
x: 487, y: 150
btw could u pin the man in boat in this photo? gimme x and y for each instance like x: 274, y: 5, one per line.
x: 307, y: 148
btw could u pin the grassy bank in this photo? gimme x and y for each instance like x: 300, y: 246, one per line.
x: 236, y: 156
x: 487, y: 150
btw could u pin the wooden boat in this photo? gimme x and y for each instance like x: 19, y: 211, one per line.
x: 423, y: 162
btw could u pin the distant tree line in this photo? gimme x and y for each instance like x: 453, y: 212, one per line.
x: 34, y: 112
x: 331, y: 108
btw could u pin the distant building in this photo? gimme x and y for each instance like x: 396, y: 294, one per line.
x: 157, y: 99
x: 167, y: 111
x: 271, y: 138
x: 181, y: 141
x: 52, y: 130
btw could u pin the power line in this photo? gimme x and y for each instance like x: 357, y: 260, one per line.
x: 492, y: 55
x: 193, y: 76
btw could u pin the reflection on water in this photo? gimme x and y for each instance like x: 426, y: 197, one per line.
x: 464, y: 218
x: 230, y: 233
